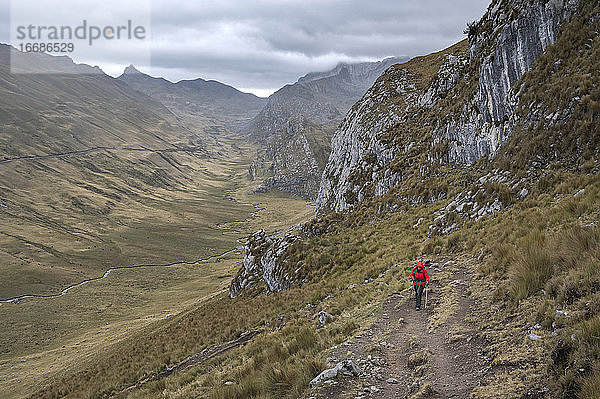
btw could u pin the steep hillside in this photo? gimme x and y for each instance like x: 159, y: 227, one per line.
x: 206, y: 105
x: 429, y: 131
x: 498, y: 139
x: 57, y: 113
x: 483, y: 158
x: 297, y: 123
x: 456, y: 111
x: 88, y: 168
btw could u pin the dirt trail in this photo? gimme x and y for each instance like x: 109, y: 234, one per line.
x: 97, y: 149
x: 433, y: 353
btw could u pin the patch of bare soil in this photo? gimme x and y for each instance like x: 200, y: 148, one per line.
x: 432, y: 353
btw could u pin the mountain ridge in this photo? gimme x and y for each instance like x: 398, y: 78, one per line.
x: 81, y: 109
x: 297, y: 122
x: 201, y: 103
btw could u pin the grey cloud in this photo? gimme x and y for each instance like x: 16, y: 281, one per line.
x: 264, y: 44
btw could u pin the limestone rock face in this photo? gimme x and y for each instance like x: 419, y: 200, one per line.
x: 265, y: 260
x: 292, y: 160
x: 355, y: 145
x: 506, y: 52
x: 298, y: 121
x: 503, y: 45
x: 262, y: 263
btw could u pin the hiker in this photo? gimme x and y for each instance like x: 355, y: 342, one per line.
x: 420, y: 278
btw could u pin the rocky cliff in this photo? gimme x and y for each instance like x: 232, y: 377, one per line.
x: 261, y: 263
x: 405, y: 109
x: 449, y: 118
x: 505, y: 43
x: 294, y: 160
x: 298, y: 121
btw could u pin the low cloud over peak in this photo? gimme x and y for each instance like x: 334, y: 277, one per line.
x: 262, y: 45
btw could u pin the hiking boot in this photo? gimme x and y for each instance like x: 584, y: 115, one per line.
x: 418, y: 308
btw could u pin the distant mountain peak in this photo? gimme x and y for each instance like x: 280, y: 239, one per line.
x: 131, y: 69
x: 198, y: 101
x: 359, y: 70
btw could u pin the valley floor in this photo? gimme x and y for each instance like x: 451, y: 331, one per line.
x: 41, y: 337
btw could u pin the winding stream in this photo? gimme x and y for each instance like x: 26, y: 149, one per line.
x: 19, y: 299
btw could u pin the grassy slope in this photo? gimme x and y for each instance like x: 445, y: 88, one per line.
x: 281, y: 361
x: 110, y: 209
x: 57, y: 333
x: 55, y: 113
x: 66, y: 219
x: 547, y: 241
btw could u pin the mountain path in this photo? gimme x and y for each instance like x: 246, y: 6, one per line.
x: 97, y: 149
x: 432, y: 353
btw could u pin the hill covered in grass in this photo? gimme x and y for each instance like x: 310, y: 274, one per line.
x: 199, y: 102
x: 78, y: 109
x: 95, y: 174
x: 483, y: 156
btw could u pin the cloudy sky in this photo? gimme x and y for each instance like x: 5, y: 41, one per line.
x: 259, y: 46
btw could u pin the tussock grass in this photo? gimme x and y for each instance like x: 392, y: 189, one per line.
x: 590, y: 389
x: 540, y: 243
x: 549, y: 259
x: 426, y: 391
x: 532, y: 267
x: 533, y: 246
x: 419, y: 358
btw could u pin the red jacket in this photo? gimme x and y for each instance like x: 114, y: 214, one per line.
x: 419, y: 278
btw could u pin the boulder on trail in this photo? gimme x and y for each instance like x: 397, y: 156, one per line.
x: 347, y: 368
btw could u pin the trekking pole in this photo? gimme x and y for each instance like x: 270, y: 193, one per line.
x: 426, y: 289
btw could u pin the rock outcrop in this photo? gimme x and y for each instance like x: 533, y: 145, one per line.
x: 298, y: 121
x: 262, y: 262
x: 506, y: 42
x: 293, y: 160
x: 402, y: 114
x: 346, y: 368
x: 265, y: 261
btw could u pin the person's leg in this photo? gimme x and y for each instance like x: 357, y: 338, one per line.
x: 419, y: 289
x: 417, y: 299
